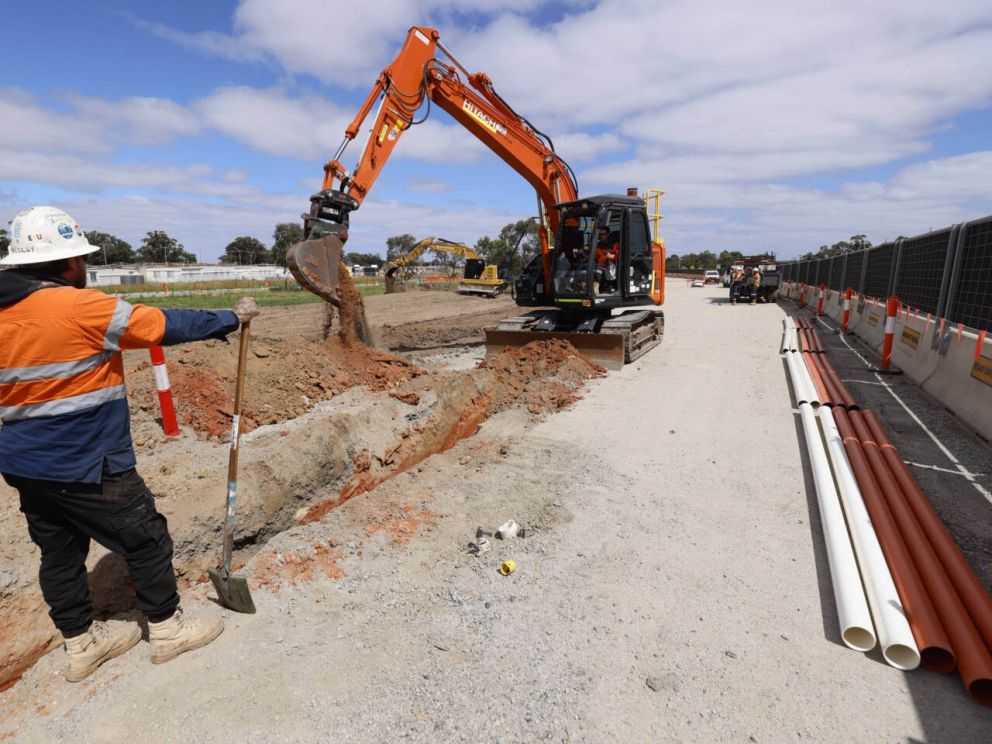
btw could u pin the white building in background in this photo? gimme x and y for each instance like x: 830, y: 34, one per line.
x: 183, y: 274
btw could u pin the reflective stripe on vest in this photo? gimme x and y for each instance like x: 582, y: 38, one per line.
x: 56, y: 370
x: 118, y: 324
x: 63, y: 405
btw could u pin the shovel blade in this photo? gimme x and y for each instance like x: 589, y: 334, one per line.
x: 314, y: 263
x: 232, y: 591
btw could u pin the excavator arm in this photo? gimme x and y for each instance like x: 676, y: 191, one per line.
x: 414, y: 81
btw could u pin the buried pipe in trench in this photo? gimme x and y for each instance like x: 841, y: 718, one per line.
x: 974, y: 661
x: 935, y: 648
x: 969, y: 588
x: 895, y: 637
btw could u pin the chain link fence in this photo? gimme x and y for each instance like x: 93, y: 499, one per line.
x: 947, y: 273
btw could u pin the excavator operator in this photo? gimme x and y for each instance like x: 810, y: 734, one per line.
x: 607, y: 251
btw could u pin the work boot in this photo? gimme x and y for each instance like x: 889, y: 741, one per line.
x: 102, y: 642
x: 181, y: 633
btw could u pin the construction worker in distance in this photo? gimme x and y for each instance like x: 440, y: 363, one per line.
x: 755, y: 285
x: 606, y: 262
x: 736, y: 283
x: 65, y: 440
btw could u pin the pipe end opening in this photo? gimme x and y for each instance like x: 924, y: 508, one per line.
x: 981, y: 692
x: 902, y: 657
x: 938, y: 660
x: 860, y: 639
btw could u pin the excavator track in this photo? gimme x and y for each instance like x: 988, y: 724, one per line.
x: 621, y: 340
x: 641, y: 330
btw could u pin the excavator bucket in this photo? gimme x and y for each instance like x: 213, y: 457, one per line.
x: 605, y: 349
x: 317, y: 265
x: 314, y: 263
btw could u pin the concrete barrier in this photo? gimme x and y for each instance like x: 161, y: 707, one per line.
x: 948, y: 365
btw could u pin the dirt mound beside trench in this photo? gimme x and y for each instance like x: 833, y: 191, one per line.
x: 344, y: 418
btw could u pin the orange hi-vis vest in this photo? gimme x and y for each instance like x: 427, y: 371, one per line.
x: 63, y: 404
x: 60, y: 350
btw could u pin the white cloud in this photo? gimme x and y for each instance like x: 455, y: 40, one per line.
x: 426, y: 185
x: 94, y: 126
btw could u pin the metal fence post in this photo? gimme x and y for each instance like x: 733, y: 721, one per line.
x: 864, y: 271
x: 945, y: 279
x: 894, y: 271
x: 843, y: 273
x: 952, y: 289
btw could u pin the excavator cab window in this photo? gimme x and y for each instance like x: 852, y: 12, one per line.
x: 608, y: 256
x: 639, y: 264
x: 570, y: 271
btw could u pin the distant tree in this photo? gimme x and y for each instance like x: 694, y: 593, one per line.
x: 4, y: 242
x: 399, y: 245
x: 113, y: 250
x: 285, y: 235
x: 246, y: 251
x: 673, y: 262
x: 859, y: 243
x: 158, y: 247
x: 726, y: 258
x: 517, y: 243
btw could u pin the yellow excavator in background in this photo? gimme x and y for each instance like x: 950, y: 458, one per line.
x: 478, y: 278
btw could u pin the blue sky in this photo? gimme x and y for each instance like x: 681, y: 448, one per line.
x: 772, y: 126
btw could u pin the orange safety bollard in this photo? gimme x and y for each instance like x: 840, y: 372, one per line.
x: 802, y: 294
x: 847, y: 310
x: 819, y: 304
x: 891, y: 311
x: 169, y: 423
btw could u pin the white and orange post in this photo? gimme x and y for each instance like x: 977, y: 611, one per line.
x: 891, y: 311
x: 819, y: 304
x: 802, y: 294
x: 169, y: 423
x: 847, y: 309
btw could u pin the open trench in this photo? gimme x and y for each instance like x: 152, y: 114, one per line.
x: 325, y: 422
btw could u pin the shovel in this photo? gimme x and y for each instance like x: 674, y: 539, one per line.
x: 232, y: 591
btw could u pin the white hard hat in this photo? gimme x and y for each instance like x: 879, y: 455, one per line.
x: 41, y: 234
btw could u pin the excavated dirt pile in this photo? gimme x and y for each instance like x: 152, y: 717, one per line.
x: 324, y: 422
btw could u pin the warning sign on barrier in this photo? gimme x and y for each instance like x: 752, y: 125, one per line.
x: 873, y: 319
x: 910, y: 337
x: 982, y: 370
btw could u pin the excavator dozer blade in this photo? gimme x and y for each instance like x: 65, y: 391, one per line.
x: 605, y: 349
x: 314, y: 263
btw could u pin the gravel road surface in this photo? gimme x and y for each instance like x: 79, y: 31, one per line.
x: 672, y: 586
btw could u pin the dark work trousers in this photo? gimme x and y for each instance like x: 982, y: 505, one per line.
x: 119, y: 514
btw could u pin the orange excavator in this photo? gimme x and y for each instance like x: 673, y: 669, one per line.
x: 599, y: 279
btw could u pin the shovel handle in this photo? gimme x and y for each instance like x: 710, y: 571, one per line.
x: 232, y: 462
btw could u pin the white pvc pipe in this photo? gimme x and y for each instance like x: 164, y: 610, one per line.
x: 894, y: 634
x: 798, y: 382
x: 814, y: 397
x: 852, y: 609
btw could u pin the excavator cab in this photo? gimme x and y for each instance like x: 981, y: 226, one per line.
x: 604, y: 287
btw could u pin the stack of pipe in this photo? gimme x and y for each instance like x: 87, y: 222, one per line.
x: 927, y: 604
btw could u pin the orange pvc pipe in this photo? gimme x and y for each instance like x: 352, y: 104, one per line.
x: 969, y: 588
x: 974, y: 661
x: 821, y: 390
x: 844, y: 395
x: 935, y: 648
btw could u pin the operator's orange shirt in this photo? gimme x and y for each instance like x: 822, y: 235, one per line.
x: 607, y: 254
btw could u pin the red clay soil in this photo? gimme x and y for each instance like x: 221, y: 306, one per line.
x: 544, y: 376
x: 402, y: 526
x: 274, y: 569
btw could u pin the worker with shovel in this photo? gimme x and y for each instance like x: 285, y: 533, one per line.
x: 65, y: 441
